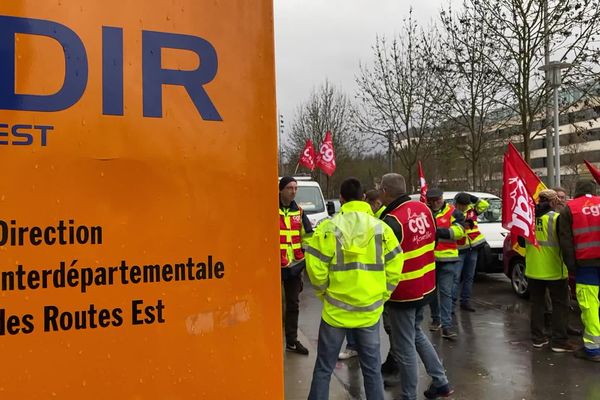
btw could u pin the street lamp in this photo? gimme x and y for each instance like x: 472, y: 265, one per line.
x: 554, y: 71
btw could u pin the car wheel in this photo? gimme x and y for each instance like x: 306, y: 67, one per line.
x: 518, y: 278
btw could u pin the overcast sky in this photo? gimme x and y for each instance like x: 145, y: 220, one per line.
x: 327, y: 39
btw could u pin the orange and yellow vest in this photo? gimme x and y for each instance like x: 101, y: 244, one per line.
x: 418, y: 241
x: 290, y: 243
x: 473, y: 237
x: 446, y: 250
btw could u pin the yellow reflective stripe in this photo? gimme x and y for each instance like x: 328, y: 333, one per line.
x: 479, y: 239
x: 289, y: 232
x: 418, y: 273
x: 392, y: 254
x: 356, y: 265
x: 391, y: 287
x: 349, y: 307
x: 419, y: 252
x: 316, y: 253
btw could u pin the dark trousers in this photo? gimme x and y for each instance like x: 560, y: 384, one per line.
x: 292, y: 286
x: 559, y: 296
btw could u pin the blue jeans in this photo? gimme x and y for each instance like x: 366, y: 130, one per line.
x: 468, y: 259
x: 447, y: 276
x: 409, y: 340
x: 330, y: 343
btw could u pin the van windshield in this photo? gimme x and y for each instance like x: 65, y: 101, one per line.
x: 493, y: 213
x: 310, y: 199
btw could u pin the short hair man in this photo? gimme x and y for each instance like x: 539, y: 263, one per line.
x: 546, y: 272
x: 450, y: 228
x: 414, y: 226
x: 294, y: 226
x: 373, y: 197
x: 468, y: 247
x: 354, y: 261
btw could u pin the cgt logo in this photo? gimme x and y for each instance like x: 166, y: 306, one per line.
x: 593, y: 210
x: 417, y: 223
x: 76, y: 69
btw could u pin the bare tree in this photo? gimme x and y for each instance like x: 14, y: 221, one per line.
x: 463, y: 59
x: 396, y: 96
x: 519, y: 27
x: 327, y: 109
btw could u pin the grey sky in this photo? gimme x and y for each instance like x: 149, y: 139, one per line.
x: 327, y: 39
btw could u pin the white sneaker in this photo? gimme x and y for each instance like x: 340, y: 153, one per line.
x: 346, y: 354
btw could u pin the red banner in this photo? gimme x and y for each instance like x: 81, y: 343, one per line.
x: 422, y: 184
x: 326, y: 156
x: 518, y: 208
x: 593, y: 170
x: 532, y: 182
x: 308, y: 156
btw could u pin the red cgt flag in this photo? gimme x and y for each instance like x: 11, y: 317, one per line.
x: 308, y: 156
x: 532, y: 182
x: 518, y: 208
x: 594, y: 171
x: 422, y: 184
x: 326, y: 156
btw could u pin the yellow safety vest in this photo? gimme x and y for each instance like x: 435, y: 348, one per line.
x: 545, y: 262
x: 354, y: 261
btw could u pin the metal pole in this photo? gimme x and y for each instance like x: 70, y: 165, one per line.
x: 556, y: 137
x: 549, y: 110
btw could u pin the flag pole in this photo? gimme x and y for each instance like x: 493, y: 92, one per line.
x: 297, y: 165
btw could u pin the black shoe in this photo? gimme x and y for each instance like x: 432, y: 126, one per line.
x: 467, y: 307
x: 297, y: 348
x: 448, y: 333
x: 574, y: 331
x: 436, y: 392
x: 389, y: 367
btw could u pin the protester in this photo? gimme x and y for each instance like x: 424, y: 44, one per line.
x: 294, y: 226
x: 449, y: 222
x: 414, y: 226
x: 579, y: 234
x: 354, y: 261
x: 545, y: 271
x: 468, y: 247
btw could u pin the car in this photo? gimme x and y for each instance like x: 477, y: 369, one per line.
x: 490, y: 255
x: 514, y: 266
x: 514, y: 269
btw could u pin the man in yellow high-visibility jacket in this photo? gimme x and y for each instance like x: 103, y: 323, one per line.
x: 354, y: 261
x: 545, y: 270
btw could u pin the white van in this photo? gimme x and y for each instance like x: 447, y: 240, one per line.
x: 310, y: 198
x: 490, y: 224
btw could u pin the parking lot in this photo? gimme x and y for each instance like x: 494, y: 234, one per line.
x: 492, y: 357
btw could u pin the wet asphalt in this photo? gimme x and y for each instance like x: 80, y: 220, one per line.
x: 492, y: 358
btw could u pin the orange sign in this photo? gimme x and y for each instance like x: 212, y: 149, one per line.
x: 138, y: 253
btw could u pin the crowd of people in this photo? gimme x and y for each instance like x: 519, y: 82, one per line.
x: 385, y: 254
